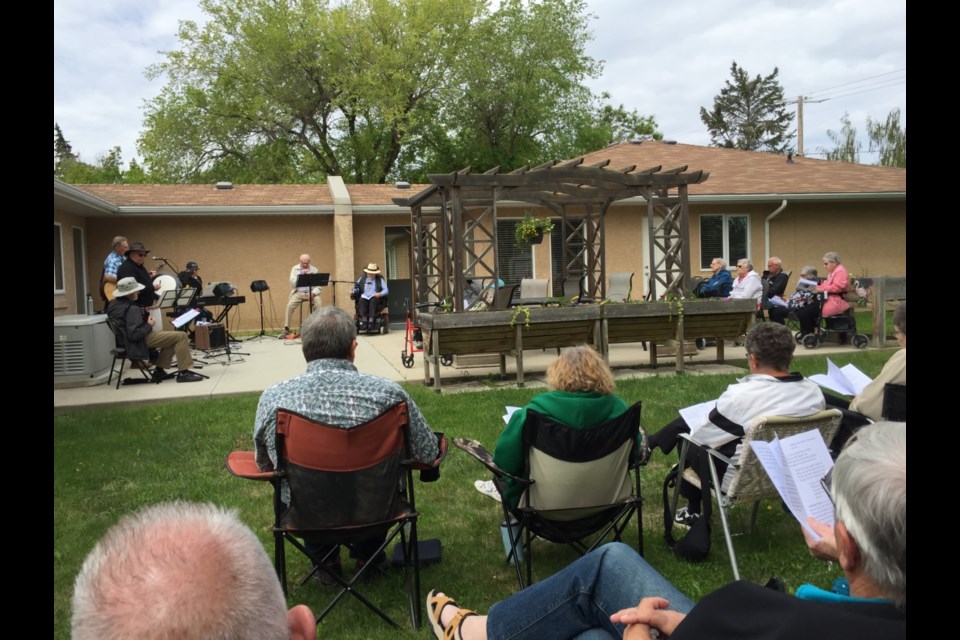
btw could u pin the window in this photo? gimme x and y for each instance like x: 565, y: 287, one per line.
x: 516, y: 262
x: 577, y: 245
x: 724, y: 236
x: 58, y: 286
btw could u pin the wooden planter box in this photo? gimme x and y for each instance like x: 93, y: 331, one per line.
x: 638, y: 322
x: 720, y: 319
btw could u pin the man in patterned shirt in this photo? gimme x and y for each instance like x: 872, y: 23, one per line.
x: 110, y: 265
x: 333, y: 392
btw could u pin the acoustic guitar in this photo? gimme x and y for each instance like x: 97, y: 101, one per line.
x: 107, y: 290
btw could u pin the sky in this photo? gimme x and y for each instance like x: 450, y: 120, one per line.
x: 662, y: 59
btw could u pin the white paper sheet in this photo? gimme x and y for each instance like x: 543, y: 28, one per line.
x: 698, y: 415
x: 510, y: 410
x: 185, y: 317
x: 846, y: 380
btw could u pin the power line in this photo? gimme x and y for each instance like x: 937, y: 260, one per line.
x: 813, y: 94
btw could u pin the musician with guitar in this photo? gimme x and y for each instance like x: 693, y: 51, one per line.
x: 133, y: 268
x: 108, y: 277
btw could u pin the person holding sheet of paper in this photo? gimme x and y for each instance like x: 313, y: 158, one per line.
x: 801, y: 298
x: 582, y: 394
x: 867, y: 405
x: 770, y: 389
x: 612, y: 592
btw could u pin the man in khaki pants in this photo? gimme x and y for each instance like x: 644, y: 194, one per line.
x: 301, y: 294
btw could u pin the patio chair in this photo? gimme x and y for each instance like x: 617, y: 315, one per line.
x: 621, y: 284
x: 119, y: 352
x: 579, y: 487
x: 344, y: 485
x: 747, y: 481
x: 534, y: 288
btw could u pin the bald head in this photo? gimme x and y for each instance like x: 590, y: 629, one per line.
x: 179, y: 570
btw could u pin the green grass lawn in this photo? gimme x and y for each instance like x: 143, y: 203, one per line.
x: 108, y: 462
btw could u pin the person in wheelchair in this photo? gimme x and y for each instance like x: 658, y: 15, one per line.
x: 833, y: 303
x: 804, y: 296
x: 370, y: 293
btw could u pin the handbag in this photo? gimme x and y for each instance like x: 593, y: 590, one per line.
x: 695, y: 545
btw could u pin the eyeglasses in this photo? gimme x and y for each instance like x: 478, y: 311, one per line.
x: 827, y: 482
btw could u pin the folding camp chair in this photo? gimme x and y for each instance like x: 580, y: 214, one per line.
x: 746, y: 480
x: 119, y: 352
x: 577, y: 485
x: 344, y: 485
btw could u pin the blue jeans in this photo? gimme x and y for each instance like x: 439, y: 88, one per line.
x: 578, y: 601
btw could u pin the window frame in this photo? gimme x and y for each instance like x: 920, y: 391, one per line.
x: 705, y: 260
x: 59, y: 272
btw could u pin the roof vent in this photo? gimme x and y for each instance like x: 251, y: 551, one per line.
x: 669, y: 141
x: 790, y: 157
x: 224, y: 185
x: 402, y: 184
x: 640, y: 141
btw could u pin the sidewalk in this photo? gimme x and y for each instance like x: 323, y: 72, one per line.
x: 268, y: 360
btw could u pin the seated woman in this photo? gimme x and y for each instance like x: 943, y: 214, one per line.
x: 835, y: 286
x: 581, y: 396
x: 747, y: 284
x: 801, y: 298
x: 868, y: 404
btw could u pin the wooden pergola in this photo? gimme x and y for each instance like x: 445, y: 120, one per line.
x: 454, y: 223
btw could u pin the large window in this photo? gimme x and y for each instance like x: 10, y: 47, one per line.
x: 58, y: 286
x: 724, y: 236
x: 516, y: 262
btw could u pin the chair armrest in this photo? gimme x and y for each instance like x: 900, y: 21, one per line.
x: 477, y: 451
x: 442, y: 445
x: 713, y: 452
x: 243, y: 465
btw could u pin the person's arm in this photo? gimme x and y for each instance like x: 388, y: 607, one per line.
x: 137, y: 327
x: 265, y: 434
x: 294, y: 272
x: 423, y: 441
x: 838, y: 282
x: 508, y: 453
x: 384, y: 290
x: 753, y: 288
x: 778, y: 285
x: 826, y: 547
x: 725, y: 283
x: 869, y: 402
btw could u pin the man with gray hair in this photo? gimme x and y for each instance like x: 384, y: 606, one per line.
x: 108, y: 277
x: 183, y: 570
x: 333, y: 392
x: 719, y: 284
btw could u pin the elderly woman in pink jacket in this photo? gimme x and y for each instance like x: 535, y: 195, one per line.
x: 836, y: 285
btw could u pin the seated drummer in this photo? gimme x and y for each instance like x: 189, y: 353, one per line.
x: 190, y: 279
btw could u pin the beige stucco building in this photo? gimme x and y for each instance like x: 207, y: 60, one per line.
x: 753, y: 205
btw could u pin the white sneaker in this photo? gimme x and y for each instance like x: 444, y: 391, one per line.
x: 487, y: 488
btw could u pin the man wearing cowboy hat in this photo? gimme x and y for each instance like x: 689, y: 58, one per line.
x: 133, y: 268
x: 139, y: 335
x: 371, y: 293
x: 301, y: 294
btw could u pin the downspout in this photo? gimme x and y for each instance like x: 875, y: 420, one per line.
x: 766, y: 228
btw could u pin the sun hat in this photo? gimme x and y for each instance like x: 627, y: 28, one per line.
x: 126, y: 286
x: 372, y: 269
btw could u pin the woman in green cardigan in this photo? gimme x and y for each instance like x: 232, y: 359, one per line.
x: 581, y: 396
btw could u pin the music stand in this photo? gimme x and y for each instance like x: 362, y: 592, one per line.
x: 311, y: 280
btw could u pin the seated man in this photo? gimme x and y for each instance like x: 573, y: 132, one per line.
x: 190, y: 279
x: 301, y: 294
x: 775, y: 278
x: 139, y: 335
x: 719, y: 284
x: 333, y: 392
x: 770, y: 389
x: 869, y: 541
x: 370, y: 292
x: 183, y: 570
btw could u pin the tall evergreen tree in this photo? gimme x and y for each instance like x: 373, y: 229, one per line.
x: 749, y: 113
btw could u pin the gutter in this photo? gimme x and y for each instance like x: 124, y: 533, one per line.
x: 766, y: 228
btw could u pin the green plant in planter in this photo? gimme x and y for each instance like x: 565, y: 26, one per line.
x: 519, y: 311
x: 531, y: 228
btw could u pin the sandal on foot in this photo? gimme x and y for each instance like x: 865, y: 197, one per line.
x: 435, y: 606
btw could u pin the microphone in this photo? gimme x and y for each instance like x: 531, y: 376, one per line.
x: 158, y: 258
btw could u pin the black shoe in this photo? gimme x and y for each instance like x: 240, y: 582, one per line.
x: 159, y: 375
x: 188, y: 376
x: 685, y: 517
x: 378, y: 569
x: 326, y: 572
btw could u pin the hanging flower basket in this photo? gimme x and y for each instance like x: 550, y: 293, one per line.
x: 530, y: 230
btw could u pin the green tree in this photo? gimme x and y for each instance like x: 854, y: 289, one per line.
x: 749, y: 114
x: 889, y: 139
x: 846, y: 147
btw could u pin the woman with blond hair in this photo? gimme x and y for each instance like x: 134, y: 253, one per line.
x: 581, y: 395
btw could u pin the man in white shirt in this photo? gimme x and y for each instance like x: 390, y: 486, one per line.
x: 301, y: 294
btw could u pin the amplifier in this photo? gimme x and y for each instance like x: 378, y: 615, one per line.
x: 210, y: 336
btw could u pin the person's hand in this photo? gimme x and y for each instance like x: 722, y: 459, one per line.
x: 651, y: 613
x: 151, y: 321
x: 826, y: 547
x: 377, y: 294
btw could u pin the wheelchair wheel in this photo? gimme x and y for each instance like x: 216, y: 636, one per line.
x: 701, y: 344
x: 860, y: 341
x: 446, y: 360
x: 811, y: 341
x: 798, y: 336
x: 407, y: 360
x: 385, y: 327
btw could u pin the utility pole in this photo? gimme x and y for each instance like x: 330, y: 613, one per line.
x: 799, y: 102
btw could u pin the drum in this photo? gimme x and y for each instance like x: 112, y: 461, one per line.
x: 167, y: 283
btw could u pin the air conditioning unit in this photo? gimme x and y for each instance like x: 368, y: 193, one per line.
x: 81, y: 351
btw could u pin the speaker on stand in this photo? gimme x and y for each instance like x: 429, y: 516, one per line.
x: 259, y: 286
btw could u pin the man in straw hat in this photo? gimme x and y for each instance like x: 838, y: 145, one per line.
x: 371, y: 293
x: 139, y: 335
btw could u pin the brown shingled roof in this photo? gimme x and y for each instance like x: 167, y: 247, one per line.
x: 747, y: 172
x: 207, y: 195
x: 374, y: 194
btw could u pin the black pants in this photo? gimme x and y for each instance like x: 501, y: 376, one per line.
x: 368, y: 309
x: 360, y: 550
x: 850, y: 423
x: 668, y: 438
